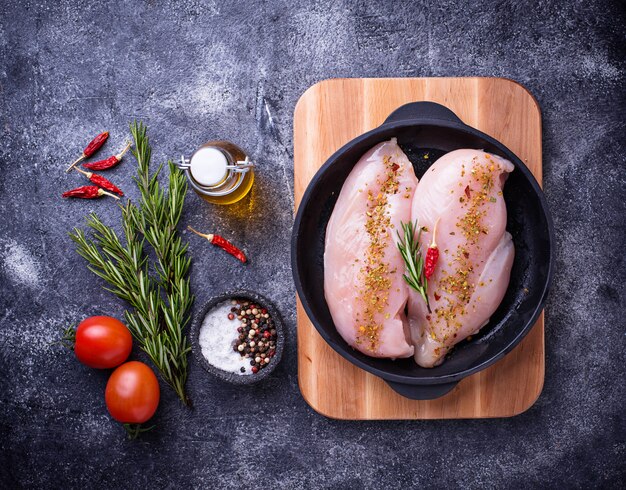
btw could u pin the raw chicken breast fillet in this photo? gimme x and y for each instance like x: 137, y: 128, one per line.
x: 462, y: 193
x: 363, y: 268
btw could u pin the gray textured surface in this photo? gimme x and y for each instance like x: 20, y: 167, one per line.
x: 193, y: 71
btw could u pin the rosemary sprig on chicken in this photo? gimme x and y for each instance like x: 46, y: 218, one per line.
x: 408, y: 244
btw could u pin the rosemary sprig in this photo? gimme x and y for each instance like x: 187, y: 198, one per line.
x: 161, y: 300
x: 408, y: 244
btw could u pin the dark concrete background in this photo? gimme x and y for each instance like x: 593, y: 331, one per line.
x: 197, y: 70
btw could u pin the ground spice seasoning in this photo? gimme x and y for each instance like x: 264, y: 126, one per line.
x: 457, y: 283
x: 471, y: 223
x: 374, y: 292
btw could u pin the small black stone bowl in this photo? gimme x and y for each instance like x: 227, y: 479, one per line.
x: 234, y: 378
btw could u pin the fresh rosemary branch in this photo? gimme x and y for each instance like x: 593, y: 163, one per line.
x: 161, y: 300
x: 408, y: 244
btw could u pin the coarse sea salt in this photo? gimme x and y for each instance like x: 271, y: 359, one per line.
x: 217, y: 337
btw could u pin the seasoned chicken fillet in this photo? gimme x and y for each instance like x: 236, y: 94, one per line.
x: 462, y: 193
x: 363, y: 268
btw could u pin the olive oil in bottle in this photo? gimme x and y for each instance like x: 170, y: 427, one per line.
x: 219, y: 172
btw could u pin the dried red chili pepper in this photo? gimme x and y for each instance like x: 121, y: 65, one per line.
x: 432, y: 255
x: 107, y: 163
x: 228, y: 247
x: 101, y: 181
x: 88, y: 192
x: 93, y: 146
x: 222, y: 243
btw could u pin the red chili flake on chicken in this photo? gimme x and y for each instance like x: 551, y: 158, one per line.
x: 432, y: 255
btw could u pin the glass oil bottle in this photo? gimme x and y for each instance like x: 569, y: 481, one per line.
x: 219, y: 171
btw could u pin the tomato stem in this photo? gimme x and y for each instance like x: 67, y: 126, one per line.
x: 68, y: 338
x: 134, y: 430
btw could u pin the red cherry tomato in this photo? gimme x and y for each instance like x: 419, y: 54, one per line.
x: 132, y: 393
x: 102, y: 342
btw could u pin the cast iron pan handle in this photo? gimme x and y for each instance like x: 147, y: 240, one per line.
x: 422, y: 110
x: 421, y: 392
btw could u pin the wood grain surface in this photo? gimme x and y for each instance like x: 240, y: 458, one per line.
x: 328, y: 115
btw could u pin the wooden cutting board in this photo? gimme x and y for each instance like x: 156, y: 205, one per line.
x: 327, y: 116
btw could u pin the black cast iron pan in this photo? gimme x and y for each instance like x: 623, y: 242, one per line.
x: 428, y: 127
